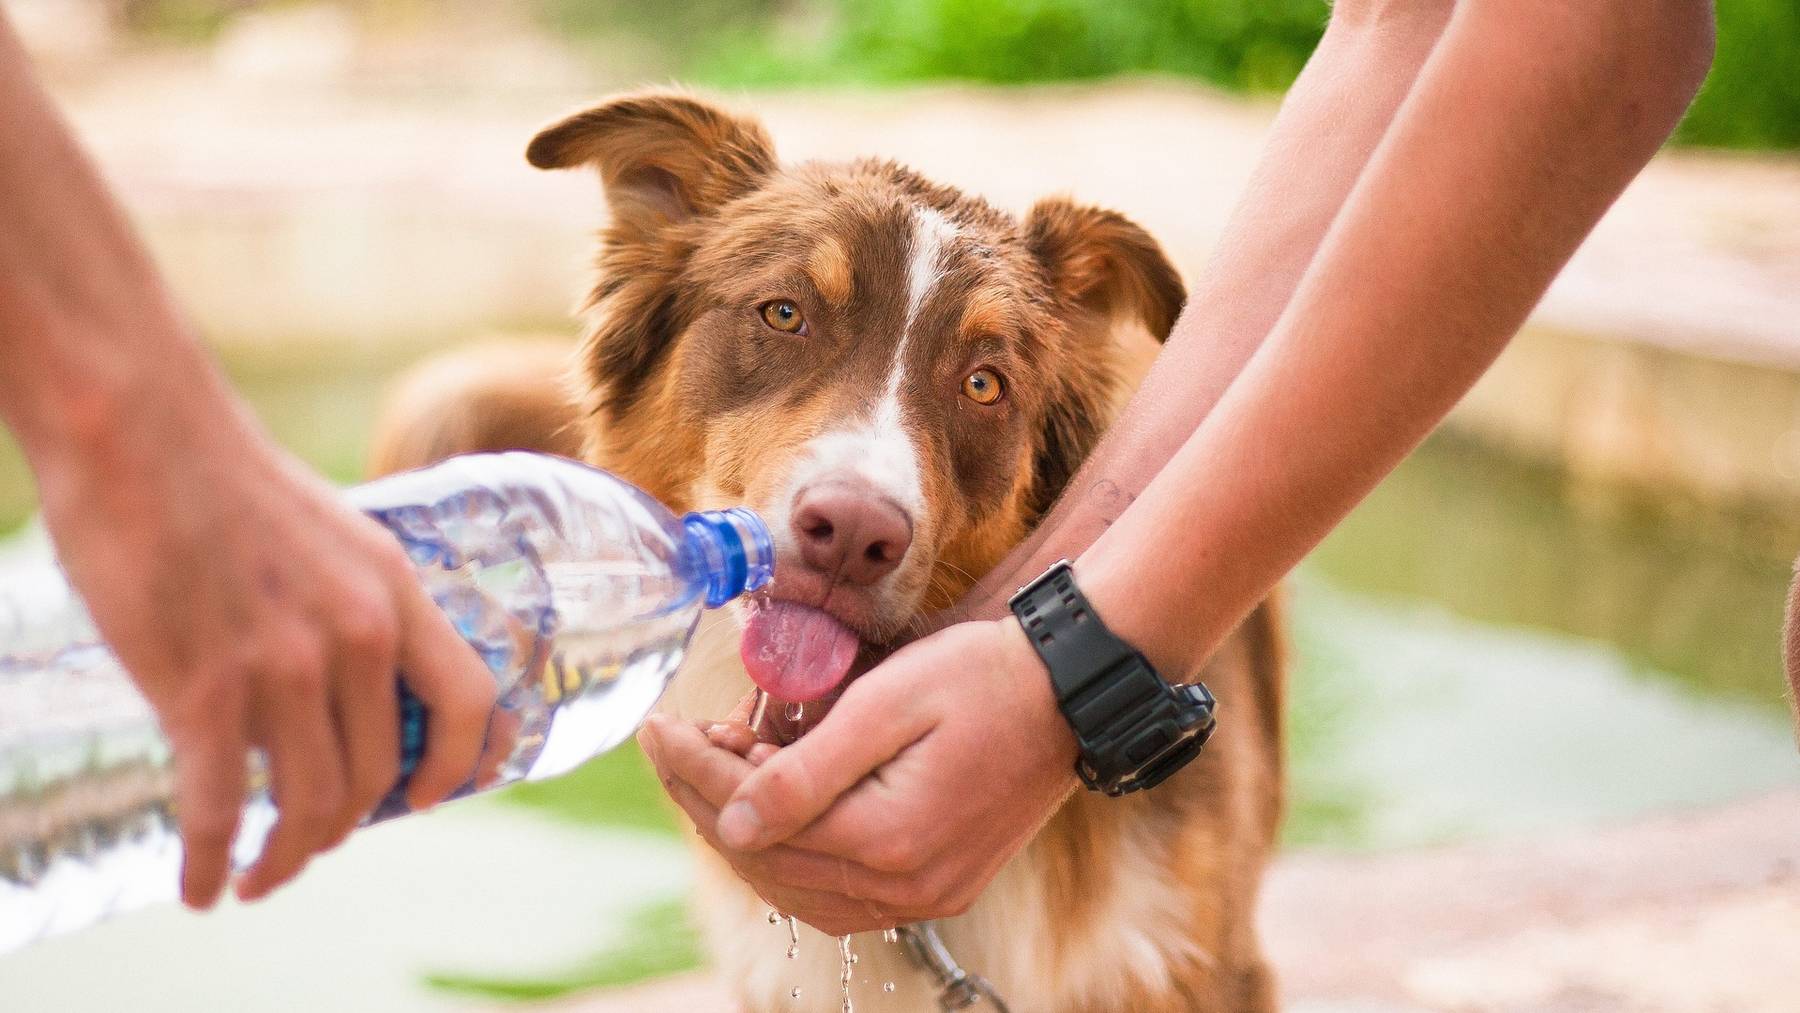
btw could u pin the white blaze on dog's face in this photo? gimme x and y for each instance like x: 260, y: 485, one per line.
x: 899, y: 377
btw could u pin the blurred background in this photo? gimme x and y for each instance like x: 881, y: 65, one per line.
x: 1539, y: 732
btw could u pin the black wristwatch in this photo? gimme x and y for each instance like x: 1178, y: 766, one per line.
x: 1134, y: 729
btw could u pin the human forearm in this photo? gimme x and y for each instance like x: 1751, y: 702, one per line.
x: 86, y: 326
x: 1448, y: 240
x: 1329, y: 124
x: 251, y: 606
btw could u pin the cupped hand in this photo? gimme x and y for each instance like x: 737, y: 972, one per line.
x: 929, y: 773
x: 254, y: 609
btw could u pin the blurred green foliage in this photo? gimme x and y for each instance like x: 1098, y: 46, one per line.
x: 657, y: 941
x: 616, y: 789
x: 1751, y: 99
x: 177, y: 21
x: 1255, y: 45
x: 18, y: 493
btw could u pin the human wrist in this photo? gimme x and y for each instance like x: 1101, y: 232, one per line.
x: 1033, y: 692
x: 1125, y: 605
x: 1134, y: 729
x: 99, y: 424
x: 95, y: 349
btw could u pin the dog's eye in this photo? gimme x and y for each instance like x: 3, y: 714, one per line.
x: 982, y: 386
x: 784, y: 316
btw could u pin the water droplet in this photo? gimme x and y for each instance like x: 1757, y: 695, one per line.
x: 796, y: 711
x: 793, y: 950
x: 756, y: 712
x: 844, y: 978
x: 794, y: 993
x: 773, y: 917
x: 890, y: 935
x: 793, y: 937
x: 887, y: 986
x: 854, y: 958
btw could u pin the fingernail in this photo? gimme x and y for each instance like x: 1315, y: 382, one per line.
x: 739, y: 826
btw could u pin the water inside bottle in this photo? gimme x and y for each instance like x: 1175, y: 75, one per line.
x: 615, y: 640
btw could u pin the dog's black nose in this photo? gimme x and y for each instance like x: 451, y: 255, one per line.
x: 851, y: 531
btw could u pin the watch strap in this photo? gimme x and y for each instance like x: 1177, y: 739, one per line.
x: 1086, y: 660
x: 1134, y: 730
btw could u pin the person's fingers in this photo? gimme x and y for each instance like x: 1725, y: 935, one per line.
x: 700, y: 777
x: 458, y: 693
x: 647, y: 743
x: 867, y: 727
x: 685, y: 753
x: 795, y: 881
x: 832, y: 914
x: 209, y: 796
x: 733, y: 735
x: 368, y: 718
x: 306, y: 778
x: 760, y: 752
x: 502, y: 739
x: 703, y: 814
x: 745, y: 709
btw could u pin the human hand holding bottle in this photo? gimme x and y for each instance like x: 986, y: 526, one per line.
x: 250, y: 605
x: 253, y: 609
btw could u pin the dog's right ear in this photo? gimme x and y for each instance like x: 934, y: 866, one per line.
x: 663, y: 157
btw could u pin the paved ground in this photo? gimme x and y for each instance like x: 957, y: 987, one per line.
x: 1689, y: 913
x: 1692, y: 913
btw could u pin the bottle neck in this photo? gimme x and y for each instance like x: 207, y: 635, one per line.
x: 732, y: 551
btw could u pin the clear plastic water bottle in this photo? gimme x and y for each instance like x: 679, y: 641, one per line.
x: 579, y: 591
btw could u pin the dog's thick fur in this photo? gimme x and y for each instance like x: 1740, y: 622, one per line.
x: 1144, y: 903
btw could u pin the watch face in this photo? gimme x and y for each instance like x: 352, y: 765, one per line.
x: 1157, y: 745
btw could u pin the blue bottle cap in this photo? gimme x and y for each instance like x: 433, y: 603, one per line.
x: 735, y: 550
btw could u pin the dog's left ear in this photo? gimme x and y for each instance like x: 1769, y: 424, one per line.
x: 664, y: 157
x: 1102, y: 268
x: 666, y: 160
x: 1102, y: 263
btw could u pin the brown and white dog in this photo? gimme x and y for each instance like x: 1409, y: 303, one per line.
x: 901, y: 379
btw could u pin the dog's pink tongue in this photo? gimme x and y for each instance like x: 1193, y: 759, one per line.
x: 797, y: 653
